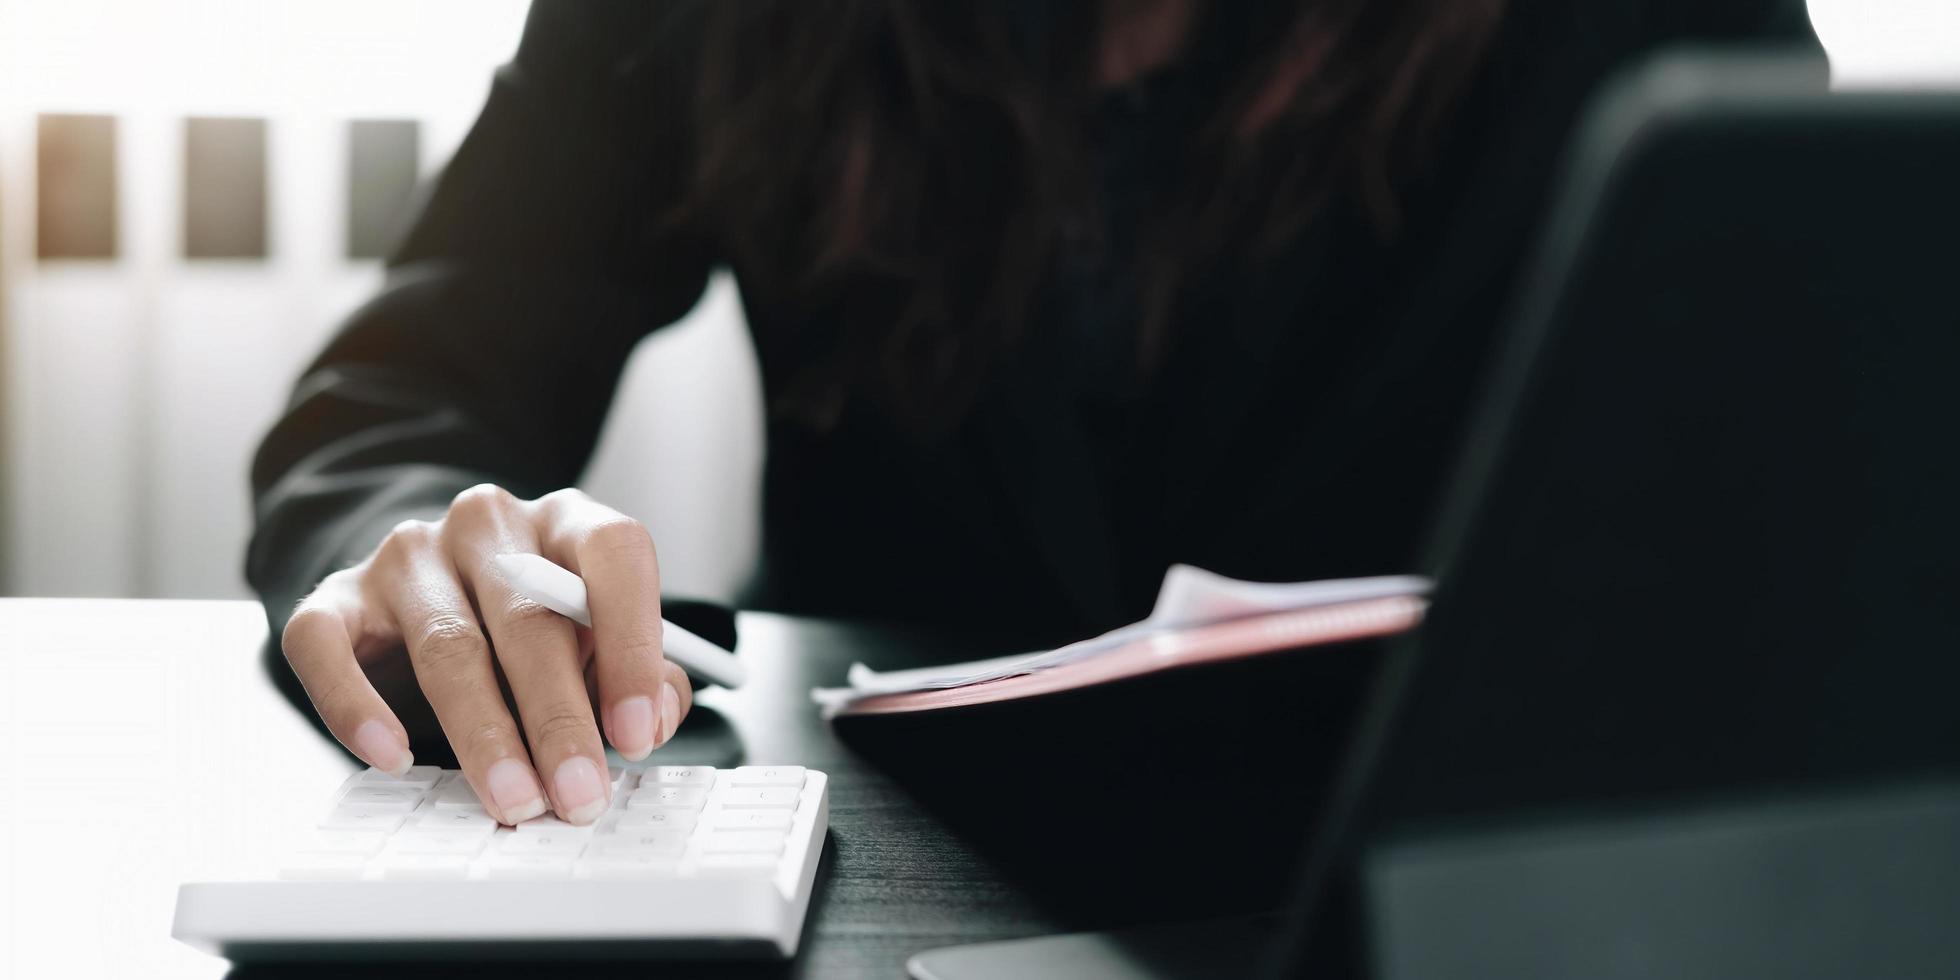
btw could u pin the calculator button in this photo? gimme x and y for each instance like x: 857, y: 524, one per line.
x: 440, y: 842
x: 767, y: 776
x: 362, y: 818
x: 549, y: 824
x: 457, y: 795
x: 677, y: 776
x: 543, y: 843
x: 422, y: 777
x: 752, y: 819
x: 628, y: 864
x: 315, y: 866
x: 456, y: 820
x: 761, y: 797
x: 340, y: 842
x: 529, y: 866
x: 397, y: 797
x: 650, y: 841
x: 664, y: 797
x: 651, y: 819
x: 425, y: 866
x: 623, y: 780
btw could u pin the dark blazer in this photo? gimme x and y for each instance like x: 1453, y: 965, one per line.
x: 1301, y: 430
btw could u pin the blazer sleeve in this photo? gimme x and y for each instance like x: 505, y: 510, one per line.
x: 542, y: 254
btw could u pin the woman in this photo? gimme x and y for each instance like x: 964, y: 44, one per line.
x: 1046, y: 296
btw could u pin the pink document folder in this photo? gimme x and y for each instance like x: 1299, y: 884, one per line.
x: 1261, y: 634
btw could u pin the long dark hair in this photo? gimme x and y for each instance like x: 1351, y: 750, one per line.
x: 936, y: 148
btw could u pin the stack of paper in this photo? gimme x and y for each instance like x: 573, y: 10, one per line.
x: 1199, y: 615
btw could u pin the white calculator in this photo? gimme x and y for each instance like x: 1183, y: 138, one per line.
x: 690, y: 861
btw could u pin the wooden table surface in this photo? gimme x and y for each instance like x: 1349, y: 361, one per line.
x: 144, y: 747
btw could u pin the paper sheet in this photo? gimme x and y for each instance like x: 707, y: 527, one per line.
x: 1188, y: 597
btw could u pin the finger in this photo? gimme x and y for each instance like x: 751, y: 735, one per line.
x: 539, y: 655
x: 676, y: 697
x: 454, y: 668
x: 318, y: 642
x: 615, y: 556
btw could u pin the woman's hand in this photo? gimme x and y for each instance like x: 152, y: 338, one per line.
x: 432, y: 594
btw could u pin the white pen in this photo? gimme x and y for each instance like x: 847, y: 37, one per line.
x: 537, y: 578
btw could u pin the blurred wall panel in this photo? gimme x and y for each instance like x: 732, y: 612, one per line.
x: 7, y: 586
x: 383, y: 159
x: 133, y: 391
x: 75, y: 388
x: 224, y: 188
x: 228, y: 340
x: 75, y: 167
x: 77, y: 340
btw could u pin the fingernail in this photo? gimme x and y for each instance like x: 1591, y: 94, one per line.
x: 670, y: 712
x: 581, y: 793
x: 381, y: 748
x: 632, y: 727
x: 514, y: 791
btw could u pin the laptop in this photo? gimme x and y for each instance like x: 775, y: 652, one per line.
x: 1685, y: 702
x: 1685, y: 705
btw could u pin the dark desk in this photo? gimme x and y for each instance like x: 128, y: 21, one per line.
x: 144, y: 747
x: 894, y: 880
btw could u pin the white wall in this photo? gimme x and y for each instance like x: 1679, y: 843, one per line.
x: 1890, y: 42
x: 135, y: 390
